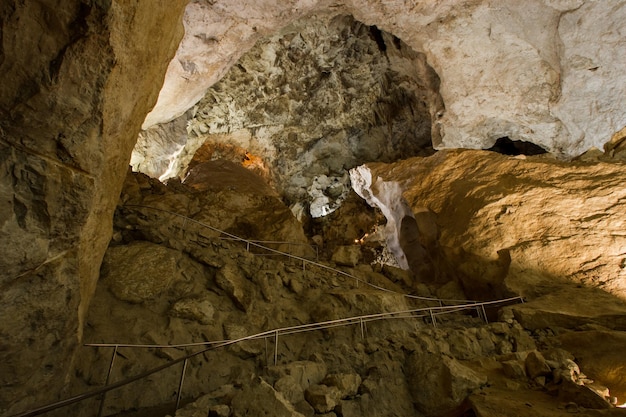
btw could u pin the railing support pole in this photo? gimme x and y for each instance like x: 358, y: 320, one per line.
x: 276, y: 348
x: 362, y: 330
x: 482, y: 307
x: 180, y: 385
x: 107, y: 381
x: 432, y: 318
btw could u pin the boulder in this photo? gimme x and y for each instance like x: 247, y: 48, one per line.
x: 514, y: 369
x: 296, y: 377
x: 349, y: 408
x: 195, y: 309
x: 232, y: 280
x: 582, y: 395
x: 348, y: 384
x: 536, y: 365
x: 259, y: 398
x: 322, y: 397
x: 140, y: 271
x: 440, y: 384
x: 347, y: 255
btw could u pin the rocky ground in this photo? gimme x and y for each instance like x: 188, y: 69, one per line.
x: 169, y: 281
x: 525, y: 225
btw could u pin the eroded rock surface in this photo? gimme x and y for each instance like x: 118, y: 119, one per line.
x: 324, y: 94
x: 524, y: 224
x: 68, y: 122
x: 542, y: 72
x: 220, y: 291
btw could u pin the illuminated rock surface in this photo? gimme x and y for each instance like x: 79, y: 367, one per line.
x: 543, y: 71
x: 526, y: 225
x: 78, y: 79
x: 323, y: 95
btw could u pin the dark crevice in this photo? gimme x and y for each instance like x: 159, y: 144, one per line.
x: 507, y: 146
x: 20, y: 211
x: 397, y: 42
x: 377, y: 36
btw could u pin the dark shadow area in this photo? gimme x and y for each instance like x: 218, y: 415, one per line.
x: 507, y: 146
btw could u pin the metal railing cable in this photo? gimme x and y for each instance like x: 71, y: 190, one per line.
x: 320, y: 325
x: 431, y: 312
x: 362, y: 320
x: 304, y: 261
x: 276, y: 242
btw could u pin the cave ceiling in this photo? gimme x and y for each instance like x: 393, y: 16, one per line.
x: 325, y: 94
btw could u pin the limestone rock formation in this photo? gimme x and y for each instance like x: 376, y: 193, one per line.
x: 79, y: 77
x: 524, y: 225
x: 543, y: 72
x: 220, y: 291
x: 324, y: 94
x: 68, y: 121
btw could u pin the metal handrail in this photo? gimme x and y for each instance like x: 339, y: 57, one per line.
x: 275, y: 333
x: 277, y: 242
x: 320, y: 325
x: 304, y: 260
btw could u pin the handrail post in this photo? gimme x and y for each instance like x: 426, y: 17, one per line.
x: 482, y: 307
x: 362, y: 330
x: 432, y: 317
x: 180, y: 385
x: 276, y: 348
x: 107, y: 381
x: 247, y: 246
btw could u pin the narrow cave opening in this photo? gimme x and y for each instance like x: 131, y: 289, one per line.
x: 506, y: 146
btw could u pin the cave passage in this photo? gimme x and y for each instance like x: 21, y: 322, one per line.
x: 506, y: 146
x: 324, y: 95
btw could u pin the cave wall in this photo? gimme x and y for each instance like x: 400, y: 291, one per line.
x: 516, y: 225
x: 542, y: 71
x: 324, y: 94
x: 78, y: 78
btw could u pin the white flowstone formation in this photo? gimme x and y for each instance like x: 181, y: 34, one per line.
x: 386, y: 196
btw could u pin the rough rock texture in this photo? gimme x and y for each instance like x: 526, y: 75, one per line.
x: 140, y: 271
x: 321, y: 96
x: 519, y: 224
x: 77, y: 80
x: 390, y: 367
x: 543, y: 71
x: 224, y: 196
